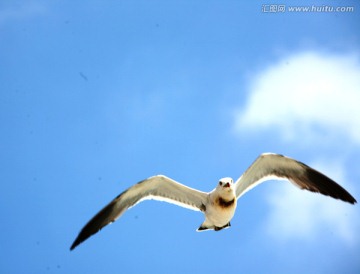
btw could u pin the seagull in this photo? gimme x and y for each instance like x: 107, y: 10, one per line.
x: 218, y: 205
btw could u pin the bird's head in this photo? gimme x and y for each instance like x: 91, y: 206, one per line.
x: 225, y: 185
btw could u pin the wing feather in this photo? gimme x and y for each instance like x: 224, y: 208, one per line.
x: 274, y: 166
x: 157, y: 187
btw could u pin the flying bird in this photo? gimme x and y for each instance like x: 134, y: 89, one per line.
x: 218, y: 205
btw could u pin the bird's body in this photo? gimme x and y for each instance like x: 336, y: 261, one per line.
x: 219, y: 205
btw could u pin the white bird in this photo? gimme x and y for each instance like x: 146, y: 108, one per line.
x: 219, y: 205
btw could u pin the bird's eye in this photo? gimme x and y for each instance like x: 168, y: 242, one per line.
x: 220, y: 183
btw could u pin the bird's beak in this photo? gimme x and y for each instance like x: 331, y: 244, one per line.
x: 227, y: 185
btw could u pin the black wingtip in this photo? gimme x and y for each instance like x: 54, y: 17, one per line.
x: 329, y: 187
x: 352, y: 201
x: 72, y: 247
x: 84, y: 234
x: 100, y: 220
x: 75, y: 244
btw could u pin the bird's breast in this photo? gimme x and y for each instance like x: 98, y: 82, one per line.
x: 221, y: 210
x: 225, y: 204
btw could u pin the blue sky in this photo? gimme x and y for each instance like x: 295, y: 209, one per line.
x: 97, y: 96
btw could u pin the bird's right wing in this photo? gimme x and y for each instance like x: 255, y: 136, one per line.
x: 157, y: 187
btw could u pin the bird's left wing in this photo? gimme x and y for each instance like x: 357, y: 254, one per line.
x: 157, y: 187
x: 275, y: 166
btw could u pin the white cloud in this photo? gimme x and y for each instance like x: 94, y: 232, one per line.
x: 307, y: 94
x: 305, y: 216
x: 313, y: 97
